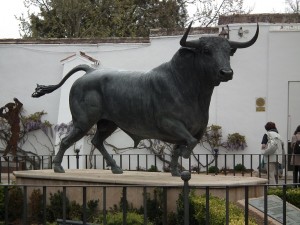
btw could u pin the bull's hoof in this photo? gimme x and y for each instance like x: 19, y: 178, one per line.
x: 58, y: 169
x: 116, y: 170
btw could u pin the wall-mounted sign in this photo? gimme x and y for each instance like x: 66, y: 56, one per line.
x: 260, y: 104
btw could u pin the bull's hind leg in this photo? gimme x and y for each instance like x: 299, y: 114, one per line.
x: 75, y: 135
x: 104, y: 130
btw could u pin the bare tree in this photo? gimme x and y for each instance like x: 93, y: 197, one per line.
x: 292, y: 6
x: 207, y: 12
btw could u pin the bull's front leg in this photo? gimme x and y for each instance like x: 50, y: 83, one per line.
x: 177, y: 131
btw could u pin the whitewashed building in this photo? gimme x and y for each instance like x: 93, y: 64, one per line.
x: 265, y: 87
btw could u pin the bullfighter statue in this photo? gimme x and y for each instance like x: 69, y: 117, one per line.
x: 11, y: 113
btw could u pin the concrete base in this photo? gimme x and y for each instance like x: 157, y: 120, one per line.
x: 96, y: 180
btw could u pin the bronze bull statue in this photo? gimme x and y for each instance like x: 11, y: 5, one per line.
x: 169, y: 103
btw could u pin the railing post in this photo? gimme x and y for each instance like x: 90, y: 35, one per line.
x: 207, y: 217
x: 129, y: 162
x: 145, y: 205
x: 44, y: 204
x: 77, y: 157
x: 51, y: 162
x: 284, y: 204
x: 165, y: 207
x: 6, y: 200
x: 64, y: 204
x: 104, y: 206
x: 246, y: 212
x: 227, y: 205
x: 266, y: 205
x: 0, y: 169
x: 124, y: 205
x: 25, y: 205
x: 216, y: 153
x: 68, y: 160
x: 8, y: 170
x: 86, y: 161
x: 186, y: 176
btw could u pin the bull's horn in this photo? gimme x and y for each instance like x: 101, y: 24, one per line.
x: 247, y: 44
x: 183, y: 42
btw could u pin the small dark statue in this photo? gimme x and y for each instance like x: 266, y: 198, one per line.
x: 11, y: 113
x: 169, y: 102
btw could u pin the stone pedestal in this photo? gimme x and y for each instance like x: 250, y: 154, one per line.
x: 95, y: 180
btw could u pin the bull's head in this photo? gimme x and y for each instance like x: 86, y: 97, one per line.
x: 217, y: 51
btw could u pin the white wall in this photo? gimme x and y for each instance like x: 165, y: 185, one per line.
x: 263, y: 70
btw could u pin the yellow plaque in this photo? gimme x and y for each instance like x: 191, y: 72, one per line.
x: 260, y: 104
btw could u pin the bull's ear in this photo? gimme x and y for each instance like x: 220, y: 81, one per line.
x: 232, y: 51
x: 186, y: 49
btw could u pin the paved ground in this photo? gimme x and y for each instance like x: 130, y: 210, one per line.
x: 275, y: 209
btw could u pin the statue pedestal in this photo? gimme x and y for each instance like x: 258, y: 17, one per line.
x: 95, y: 180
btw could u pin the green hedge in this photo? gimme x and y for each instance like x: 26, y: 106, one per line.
x: 217, y: 211
x: 117, y: 219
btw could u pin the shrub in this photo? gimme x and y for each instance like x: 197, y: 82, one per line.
x: 117, y: 219
x: 240, y: 168
x: 153, y: 169
x: 2, y: 203
x: 217, y: 211
x: 36, y: 206
x: 15, y: 203
x: 236, y: 141
x: 154, y: 207
x: 213, y: 169
x: 180, y: 210
x: 75, y: 211
x: 55, y: 209
x: 92, y: 206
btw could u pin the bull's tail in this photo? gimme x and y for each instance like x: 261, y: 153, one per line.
x: 41, y: 90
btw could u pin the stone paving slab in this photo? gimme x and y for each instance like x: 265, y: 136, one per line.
x: 139, y: 178
x: 275, y: 209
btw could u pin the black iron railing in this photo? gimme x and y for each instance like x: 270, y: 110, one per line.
x: 25, y: 216
x: 226, y: 164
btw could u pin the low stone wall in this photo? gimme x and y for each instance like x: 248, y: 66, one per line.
x: 97, y: 182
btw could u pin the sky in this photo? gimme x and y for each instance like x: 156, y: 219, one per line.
x: 9, y: 25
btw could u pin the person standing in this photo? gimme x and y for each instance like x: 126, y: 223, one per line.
x: 272, y: 157
x: 295, y: 159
